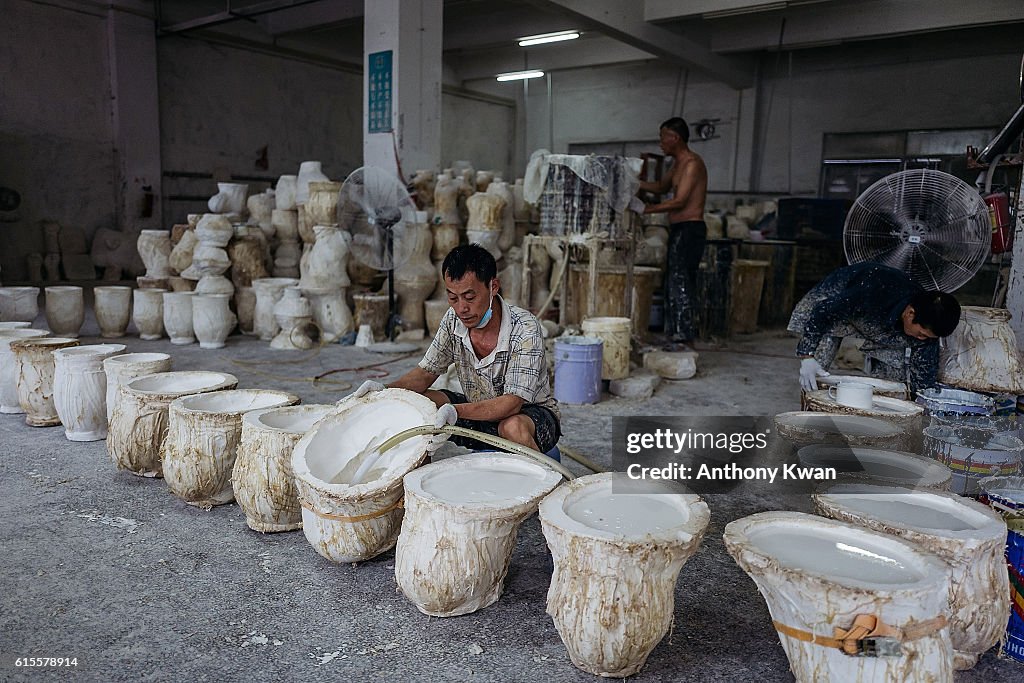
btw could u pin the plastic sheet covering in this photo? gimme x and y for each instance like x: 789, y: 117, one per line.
x: 579, y: 194
x: 982, y: 354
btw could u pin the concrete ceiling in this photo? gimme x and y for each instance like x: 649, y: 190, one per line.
x: 717, y: 38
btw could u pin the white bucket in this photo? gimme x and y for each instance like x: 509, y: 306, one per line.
x: 616, y: 335
x: 459, y: 530
x: 617, y: 554
x: 969, y: 536
x: 203, y: 432
x: 262, y: 477
x: 817, y: 575
x: 879, y: 465
x: 347, y: 522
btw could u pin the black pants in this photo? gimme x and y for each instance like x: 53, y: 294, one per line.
x: 546, y: 426
x: 685, y: 250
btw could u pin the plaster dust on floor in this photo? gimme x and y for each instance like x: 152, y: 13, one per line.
x: 112, y: 569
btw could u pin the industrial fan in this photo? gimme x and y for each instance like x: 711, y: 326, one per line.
x: 929, y: 224
x: 374, y: 206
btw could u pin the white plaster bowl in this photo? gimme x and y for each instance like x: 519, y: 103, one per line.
x: 802, y: 428
x: 138, y: 426
x: 262, y: 477
x: 818, y: 574
x: 459, y: 530
x: 879, y: 464
x: 203, y: 433
x: 969, y: 536
x: 347, y: 522
x: 618, y: 547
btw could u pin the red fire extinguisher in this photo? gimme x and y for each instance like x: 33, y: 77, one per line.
x: 999, y: 216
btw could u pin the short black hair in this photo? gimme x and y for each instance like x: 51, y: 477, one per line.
x: 678, y: 125
x: 936, y: 311
x: 470, y: 258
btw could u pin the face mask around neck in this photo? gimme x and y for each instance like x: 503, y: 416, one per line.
x: 487, y: 316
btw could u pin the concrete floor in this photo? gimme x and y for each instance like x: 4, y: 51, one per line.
x: 171, y: 592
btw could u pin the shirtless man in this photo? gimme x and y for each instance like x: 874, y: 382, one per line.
x: 688, y: 181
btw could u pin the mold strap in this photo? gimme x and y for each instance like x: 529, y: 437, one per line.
x: 869, y: 636
x: 400, y: 503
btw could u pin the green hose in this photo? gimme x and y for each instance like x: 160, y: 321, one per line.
x: 496, y: 441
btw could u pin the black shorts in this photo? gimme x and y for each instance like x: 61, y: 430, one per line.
x: 546, y: 427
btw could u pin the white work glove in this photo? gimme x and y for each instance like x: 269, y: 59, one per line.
x: 446, y: 415
x: 367, y: 387
x: 810, y: 371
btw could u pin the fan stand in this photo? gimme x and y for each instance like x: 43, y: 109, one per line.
x: 389, y: 328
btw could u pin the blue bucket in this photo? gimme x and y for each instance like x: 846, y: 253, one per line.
x: 578, y: 369
x: 1014, y: 646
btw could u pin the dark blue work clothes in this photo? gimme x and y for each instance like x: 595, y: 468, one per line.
x: 866, y: 300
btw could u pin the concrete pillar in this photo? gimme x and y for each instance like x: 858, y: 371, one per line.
x: 135, y: 107
x: 1015, y: 289
x: 402, y: 102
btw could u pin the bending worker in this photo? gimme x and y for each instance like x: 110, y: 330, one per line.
x: 498, y: 351
x: 898, y: 320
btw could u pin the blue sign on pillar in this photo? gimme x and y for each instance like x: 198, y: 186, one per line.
x: 379, y: 97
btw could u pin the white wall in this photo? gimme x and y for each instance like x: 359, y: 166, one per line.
x: 56, y: 140
x: 219, y: 105
x: 480, y: 131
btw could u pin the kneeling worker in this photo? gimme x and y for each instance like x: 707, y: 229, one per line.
x: 899, y: 321
x: 498, y: 351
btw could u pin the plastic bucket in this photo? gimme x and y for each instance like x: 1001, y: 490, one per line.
x: 1014, y: 646
x: 578, y: 369
x: 615, y: 333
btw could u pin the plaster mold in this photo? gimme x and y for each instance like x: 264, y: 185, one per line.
x: 353, y: 522
x: 230, y: 198
x: 617, y: 554
x: 19, y: 304
x: 80, y: 390
x: 203, y: 433
x: 326, y: 265
x: 212, y: 319
x: 148, y: 313
x: 113, y: 308
x: 123, y: 368
x: 818, y: 575
x: 65, y: 310
x: 982, y: 353
x: 330, y: 312
x: 293, y: 315
x: 284, y: 193
x: 178, y: 317
x: 155, y: 249
x: 322, y: 205
x: 807, y: 428
x: 309, y: 172
x: 288, y: 253
x: 9, y: 404
x: 268, y: 292
x: 485, y: 221
x: 416, y: 279
x: 461, y: 519
x: 262, y: 477
x: 138, y: 425
x: 34, y: 371
x: 967, y: 535
x: 878, y: 465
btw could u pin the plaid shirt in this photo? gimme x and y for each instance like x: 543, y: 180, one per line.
x: 517, y: 365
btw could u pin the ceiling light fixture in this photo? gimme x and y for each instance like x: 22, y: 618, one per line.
x: 548, y: 38
x: 519, y: 75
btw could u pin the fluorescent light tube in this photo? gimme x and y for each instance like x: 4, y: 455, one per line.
x: 548, y: 38
x: 519, y: 75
